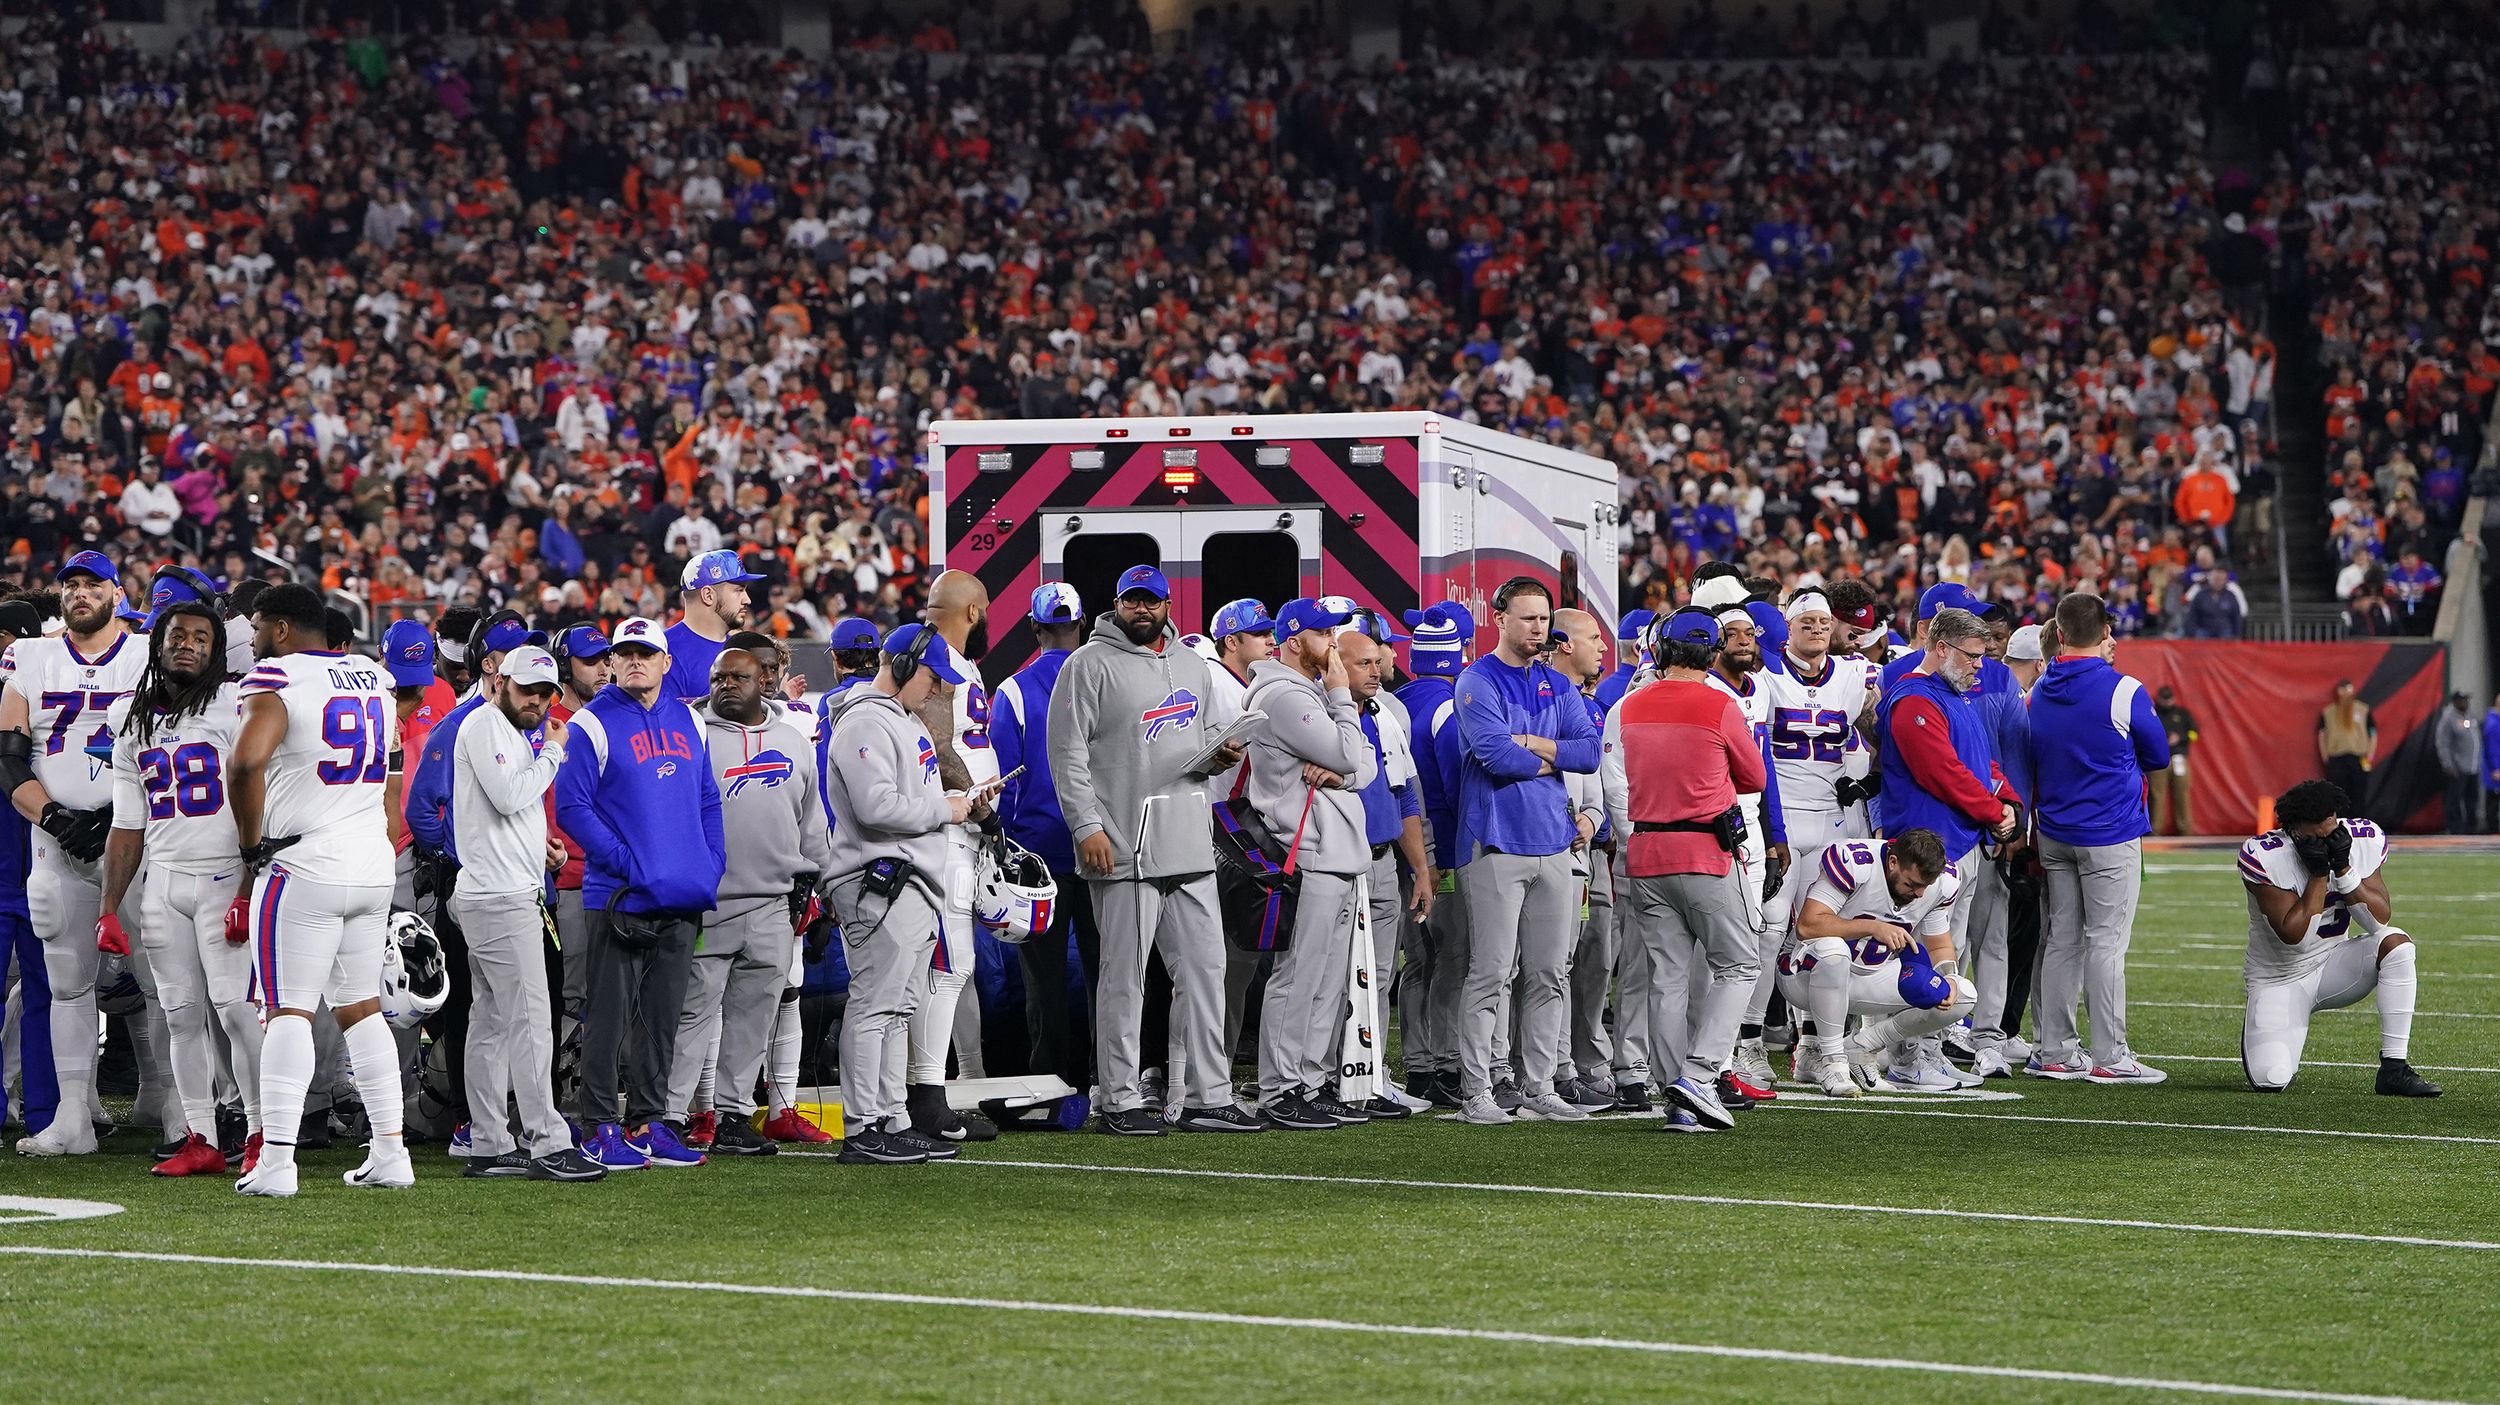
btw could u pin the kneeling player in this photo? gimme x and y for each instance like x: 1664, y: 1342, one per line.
x: 1856, y: 949
x: 2319, y: 939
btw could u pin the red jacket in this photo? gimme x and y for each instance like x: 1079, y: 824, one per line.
x: 1687, y: 753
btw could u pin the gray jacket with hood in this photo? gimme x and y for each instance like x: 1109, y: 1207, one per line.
x: 771, y: 820
x: 1125, y: 722
x: 1326, y: 729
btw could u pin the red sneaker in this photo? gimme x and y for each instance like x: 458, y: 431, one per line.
x: 1748, y: 1091
x: 251, y: 1152
x: 787, y: 1126
x: 699, y: 1130
x: 199, y: 1157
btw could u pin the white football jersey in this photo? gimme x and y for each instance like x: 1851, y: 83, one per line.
x: 972, y: 731
x: 2268, y: 861
x: 325, y: 783
x: 68, y: 697
x: 1755, y: 703
x: 1850, y: 881
x: 174, y: 787
x: 1813, y: 729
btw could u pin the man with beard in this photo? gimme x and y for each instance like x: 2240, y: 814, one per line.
x: 56, y: 752
x: 958, y: 719
x: 1587, y: 1055
x: 712, y: 599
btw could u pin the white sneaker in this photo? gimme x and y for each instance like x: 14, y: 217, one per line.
x: 1403, y: 1098
x: 1752, y: 1064
x: 1866, y: 1064
x: 1932, y: 1060
x: 265, y: 1179
x: 1992, y: 1063
x: 1831, y: 1076
x: 1805, y: 1065
x: 1482, y: 1111
x: 383, y: 1171
x: 2125, y: 1070
x: 1702, y: 1101
x: 69, y: 1135
x: 2017, y: 1050
x: 1957, y: 1040
x: 1545, y: 1107
x: 1919, y: 1076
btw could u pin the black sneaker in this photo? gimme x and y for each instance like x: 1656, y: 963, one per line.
x: 1445, y: 1093
x: 978, y: 1127
x: 1584, y: 1095
x: 1731, y: 1097
x: 874, y: 1148
x: 167, y: 1151
x: 1632, y: 1097
x: 511, y: 1163
x: 736, y: 1136
x: 314, y: 1135
x: 1346, y: 1114
x: 928, y: 1145
x: 1294, y: 1113
x: 1421, y: 1085
x: 1384, y: 1109
x: 566, y: 1164
x: 925, y: 1104
x: 1135, y: 1122
x: 1219, y: 1119
x: 2396, y: 1079
x: 1506, y: 1096
x: 233, y: 1131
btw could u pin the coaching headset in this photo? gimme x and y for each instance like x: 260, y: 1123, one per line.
x: 475, y: 644
x: 905, y: 666
x: 199, y: 585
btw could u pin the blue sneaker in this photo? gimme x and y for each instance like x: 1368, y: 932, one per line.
x: 609, y: 1148
x: 459, y: 1148
x: 665, y: 1148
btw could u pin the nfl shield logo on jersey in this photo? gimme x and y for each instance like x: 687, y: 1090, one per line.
x: 1178, y: 709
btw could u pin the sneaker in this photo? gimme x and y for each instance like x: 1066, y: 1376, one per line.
x: 1776, y: 1037
x: 1506, y: 1095
x: 1424, y: 1086
x: 1919, y: 1076
x: 1344, y: 1114
x: 1752, y: 1065
x: 1702, y: 1102
x: 701, y: 1128
x: 1406, y: 1101
x: 383, y: 1169
x: 734, y: 1135
x: 1446, y: 1092
x: 1632, y: 1095
x: 2017, y: 1050
x: 511, y: 1163
x: 1805, y: 1065
x: 565, y: 1164
x: 2056, y: 1070
x: 277, y: 1182
x: 251, y: 1152
x: 1739, y: 1094
x: 1545, y: 1107
x: 1580, y: 1093
x: 1482, y: 1111
x: 1866, y: 1064
x: 1134, y: 1122
x: 1151, y: 1085
x: 69, y: 1135
x: 925, y: 1104
x: 2396, y: 1079
x: 927, y: 1145
x: 787, y: 1126
x: 458, y: 1149
x: 314, y: 1134
x: 1291, y: 1112
x: 1992, y: 1063
x: 2125, y: 1069
x: 1219, y: 1119
x: 1956, y: 1041
x: 1932, y: 1058
x: 609, y: 1149
x: 979, y: 1128
x: 666, y: 1146
x: 1384, y: 1108
x: 874, y: 1148
x: 196, y: 1158
x: 1678, y: 1120
x: 1833, y: 1079
x: 167, y: 1151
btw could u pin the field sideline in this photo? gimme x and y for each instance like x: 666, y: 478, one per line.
x: 2075, y: 1244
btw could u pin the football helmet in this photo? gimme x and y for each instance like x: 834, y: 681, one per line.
x: 117, y: 989
x: 1012, y: 891
x: 415, y: 982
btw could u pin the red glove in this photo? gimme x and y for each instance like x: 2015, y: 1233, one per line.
x: 109, y: 936
x: 814, y: 912
x: 239, y: 918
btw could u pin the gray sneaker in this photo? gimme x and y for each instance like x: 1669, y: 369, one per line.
x: 1506, y: 1094
x: 1543, y: 1106
x: 1482, y: 1111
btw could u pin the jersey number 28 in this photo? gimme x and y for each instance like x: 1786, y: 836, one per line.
x: 186, y: 780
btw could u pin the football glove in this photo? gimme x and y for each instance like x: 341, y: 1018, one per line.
x: 109, y: 936
x: 239, y: 918
x: 80, y: 832
x: 2316, y: 853
x: 2338, y: 848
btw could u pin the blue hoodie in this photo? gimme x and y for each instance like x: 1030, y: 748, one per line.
x: 1020, y: 735
x: 1432, y: 706
x: 1503, y: 803
x: 636, y: 792
x: 1385, y: 806
x: 1612, y: 687
x: 2094, y: 735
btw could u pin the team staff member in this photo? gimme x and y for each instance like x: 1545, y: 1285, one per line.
x: 887, y: 857
x: 635, y: 794
x: 856, y: 659
x: 39, y: 1092
x: 1628, y: 631
x: 499, y: 808
x: 1678, y: 754
x: 2094, y: 737
x: 2170, y: 788
x: 712, y: 601
x: 1126, y: 719
x: 1061, y: 1018
x: 1393, y: 826
x: 1587, y: 1055
x: 2005, y: 912
x: 1429, y: 998
x: 958, y: 718
x: 581, y: 655
x: 1523, y: 727
x: 1243, y: 634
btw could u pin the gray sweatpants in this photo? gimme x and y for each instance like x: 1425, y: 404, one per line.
x: 629, y: 1020
x: 2087, y: 918
x: 1684, y: 916
x: 741, y: 963
x: 511, y: 1040
x: 888, y: 949
x: 1302, y: 1025
x: 1592, y: 1051
x: 1522, y: 919
x: 1634, y: 981
x: 573, y: 935
x: 1178, y: 917
x: 1432, y: 1039
x: 1985, y: 959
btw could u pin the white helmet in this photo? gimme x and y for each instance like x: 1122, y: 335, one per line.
x: 1012, y: 891
x: 414, y: 981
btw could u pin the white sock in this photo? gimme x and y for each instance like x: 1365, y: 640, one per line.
x: 374, y: 1056
x: 782, y: 1084
x: 1827, y: 993
x: 933, y: 1025
x: 2395, y: 1002
x: 286, y: 1067
x: 242, y: 1026
x: 707, y: 1083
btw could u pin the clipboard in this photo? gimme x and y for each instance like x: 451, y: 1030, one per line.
x: 1238, y: 729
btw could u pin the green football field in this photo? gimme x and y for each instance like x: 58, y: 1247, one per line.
x: 2077, y: 1244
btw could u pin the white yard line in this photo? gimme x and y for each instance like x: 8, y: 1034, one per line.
x: 2347, y: 1010
x: 1237, y: 1319
x: 2157, y: 1060
x: 2236, y: 970
x: 1839, y: 1105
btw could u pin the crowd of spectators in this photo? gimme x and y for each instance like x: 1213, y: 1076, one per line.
x: 477, y: 320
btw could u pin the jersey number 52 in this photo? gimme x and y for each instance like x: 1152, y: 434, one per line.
x: 1829, y: 727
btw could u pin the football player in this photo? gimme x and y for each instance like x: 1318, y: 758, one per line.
x: 1819, y: 696
x: 56, y: 758
x: 949, y: 1013
x: 1873, y: 937
x: 170, y: 742
x: 2319, y: 939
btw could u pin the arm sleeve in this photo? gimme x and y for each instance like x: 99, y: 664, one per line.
x: 1925, y: 738
x: 1410, y: 801
x: 130, y: 803
x: 2152, y: 739
x: 1484, y: 734
x: 1071, y: 758
x: 1774, y: 819
x: 429, y: 790
x: 1575, y: 743
x: 1745, y: 765
x: 577, y: 793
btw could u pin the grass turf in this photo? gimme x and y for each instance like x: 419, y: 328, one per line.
x: 2361, y: 1318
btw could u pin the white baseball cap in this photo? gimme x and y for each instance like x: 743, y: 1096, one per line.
x: 2024, y: 644
x: 529, y: 667
x: 639, y: 633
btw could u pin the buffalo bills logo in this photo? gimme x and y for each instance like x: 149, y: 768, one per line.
x: 1178, y: 709
x: 928, y: 760
x: 767, y: 769
x: 666, y: 769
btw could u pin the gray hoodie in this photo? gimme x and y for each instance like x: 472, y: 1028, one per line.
x: 884, y: 791
x: 1326, y: 729
x: 771, y: 820
x: 1125, y: 721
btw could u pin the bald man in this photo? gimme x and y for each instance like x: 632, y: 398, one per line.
x: 958, y: 719
x: 1584, y: 1062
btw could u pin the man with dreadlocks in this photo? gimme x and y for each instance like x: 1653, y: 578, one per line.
x: 170, y: 741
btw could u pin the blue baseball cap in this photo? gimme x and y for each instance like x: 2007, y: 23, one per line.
x: 1302, y: 616
x: 854, y: 633
x: 503, y: 636
x: 94, y: 563
x: 1241, y: 617
x: 939, y: 660
x: 1921, y: 986
x: 1375, y: 625
x: 1946, y: 595
x: 408, y: 653
x: 715, y: 568
x: 1628, y: 630
x: 1769, y: 624
x: 1145, y: 578
x: 1692, y: 626
x: 583, y: 641
x: 1056, y: 603
x: 172, y: 588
